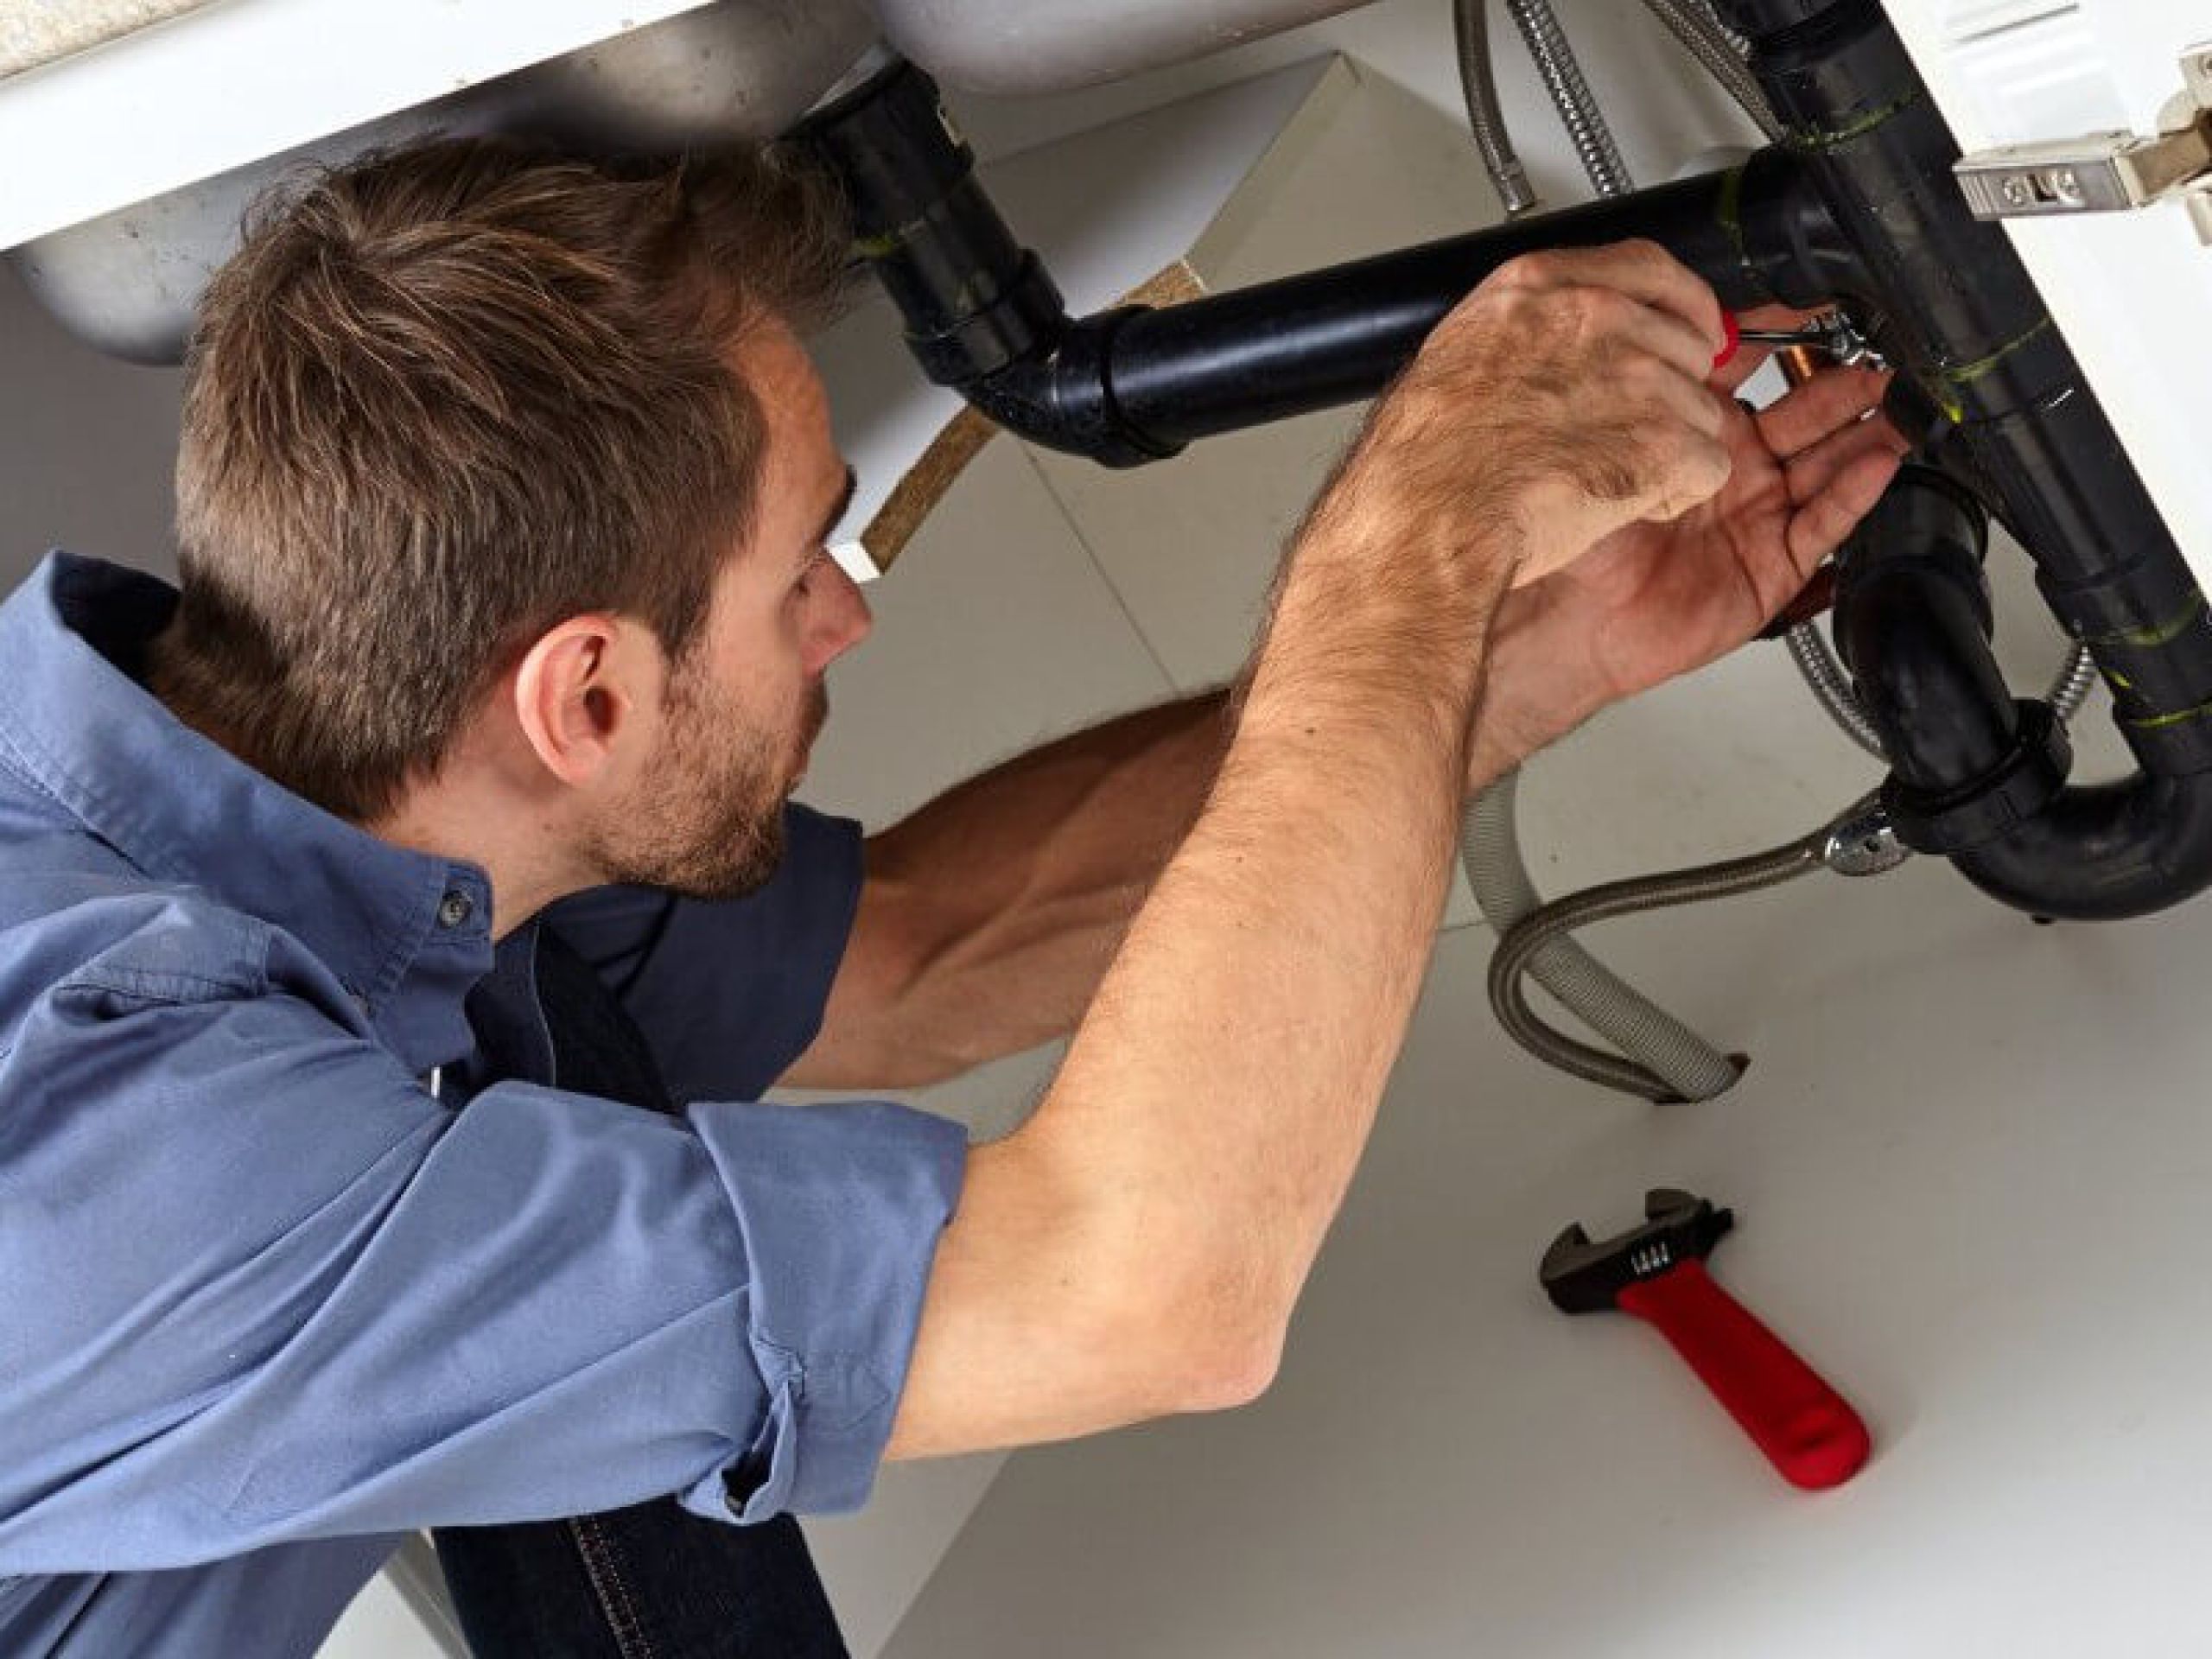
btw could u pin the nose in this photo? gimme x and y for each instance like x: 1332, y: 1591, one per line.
x: 841, y: 618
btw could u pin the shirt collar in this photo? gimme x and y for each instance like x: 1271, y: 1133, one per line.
x: 407, y: 933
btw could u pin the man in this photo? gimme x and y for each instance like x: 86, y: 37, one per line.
x: 501, y: 640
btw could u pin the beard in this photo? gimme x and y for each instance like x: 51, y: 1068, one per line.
x: 708, y: 821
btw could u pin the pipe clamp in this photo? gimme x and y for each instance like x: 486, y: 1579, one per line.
x: 2015, y: 790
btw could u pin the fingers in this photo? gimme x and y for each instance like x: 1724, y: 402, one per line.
x: 1566, y: 395
x: 1830, y: 401
x: 1816, y: 596
x: 1698, y: 471
x: 1651, y: 432
x: 1688, y: 400
x: 1662, y: 333
x: 1820, y: 524
x: 1644, y: 270
x: 1812, y: 470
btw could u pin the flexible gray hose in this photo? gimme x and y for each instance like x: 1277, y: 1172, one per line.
x: 1660, y: 1045
x: 1485, y: 120
x: 1704, y: 38
x: 1543, y: 930
x: 1562, y: 76
x: 1688, y: 1067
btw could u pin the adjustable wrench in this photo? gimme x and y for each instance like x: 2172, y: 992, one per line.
x: 1657, y: 1273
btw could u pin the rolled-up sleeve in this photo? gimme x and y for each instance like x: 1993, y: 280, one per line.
x: 292, y: 1297
x: 836, y: 1295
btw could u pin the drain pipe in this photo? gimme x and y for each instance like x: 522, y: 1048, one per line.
x: 1135, y: 385
x: 1857, y: 203
x: 1978, y: 775
x: 1988, y: 383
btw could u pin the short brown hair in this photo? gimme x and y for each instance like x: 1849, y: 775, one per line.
x: 445, y: 397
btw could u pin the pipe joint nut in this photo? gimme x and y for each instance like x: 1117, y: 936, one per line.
x: 2019, y: 788
x: 1008, y: 326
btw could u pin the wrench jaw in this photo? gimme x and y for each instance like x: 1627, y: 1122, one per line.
x: 1583, y: 1277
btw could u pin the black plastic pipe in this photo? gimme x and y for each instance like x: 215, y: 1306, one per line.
x: 1913, y: 623
x: 1858, y: 203
x: 1962, y: 318
x: 1976, y: 775
x: 2007, y: 407
x: 1136, y: 384
x: 2104, y: 851
x: 1338, y: 335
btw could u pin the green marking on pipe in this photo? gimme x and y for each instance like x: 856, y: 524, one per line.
x: 2158, y: 722
x: 2158, y: 633
x: 1812, y: 141
x: 1966, y: 373
x: 2119, y: 681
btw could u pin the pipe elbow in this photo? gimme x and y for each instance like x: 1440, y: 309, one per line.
x: 2105, y: 852
x: 1060, y: 395
x: 1976, y: 776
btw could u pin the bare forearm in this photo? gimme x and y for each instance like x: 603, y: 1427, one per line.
x: 1137, y: 1246
x: 1019, y: 885
x: 1232, y: 1064
x: 1152, y: 1222
x: 1022, y: 882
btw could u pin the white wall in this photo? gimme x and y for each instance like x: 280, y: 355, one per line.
x: 86, y: 444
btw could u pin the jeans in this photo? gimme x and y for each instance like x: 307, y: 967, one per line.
x: 653, y: 1581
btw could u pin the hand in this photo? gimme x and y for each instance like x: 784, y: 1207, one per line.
x: 1564, y: 399
x: 1653, y: 601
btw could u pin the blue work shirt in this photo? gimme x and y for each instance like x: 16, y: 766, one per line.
x: 266, y: 1303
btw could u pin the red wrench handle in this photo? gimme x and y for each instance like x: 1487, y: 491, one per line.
x: 1803, y: 1426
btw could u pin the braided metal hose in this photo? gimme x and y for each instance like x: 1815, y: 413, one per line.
x: 1485, y: 119
x: 2071, y: 688
x: 1687, y: 1066
x: 1543, y: 930
x: 1570, y: 93
x: 1704, y: 38
x: 1831, y: 686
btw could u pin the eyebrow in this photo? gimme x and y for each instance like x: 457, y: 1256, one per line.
x: 842, y: 506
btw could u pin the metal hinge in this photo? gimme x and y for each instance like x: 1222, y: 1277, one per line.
x: 2106, y: 172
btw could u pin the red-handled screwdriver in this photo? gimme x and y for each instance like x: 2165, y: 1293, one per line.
x: 1830, y: 332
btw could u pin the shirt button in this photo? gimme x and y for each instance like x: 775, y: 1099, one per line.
x: 455, y: 908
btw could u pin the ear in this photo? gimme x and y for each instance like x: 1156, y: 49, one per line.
x: 577, y: 694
